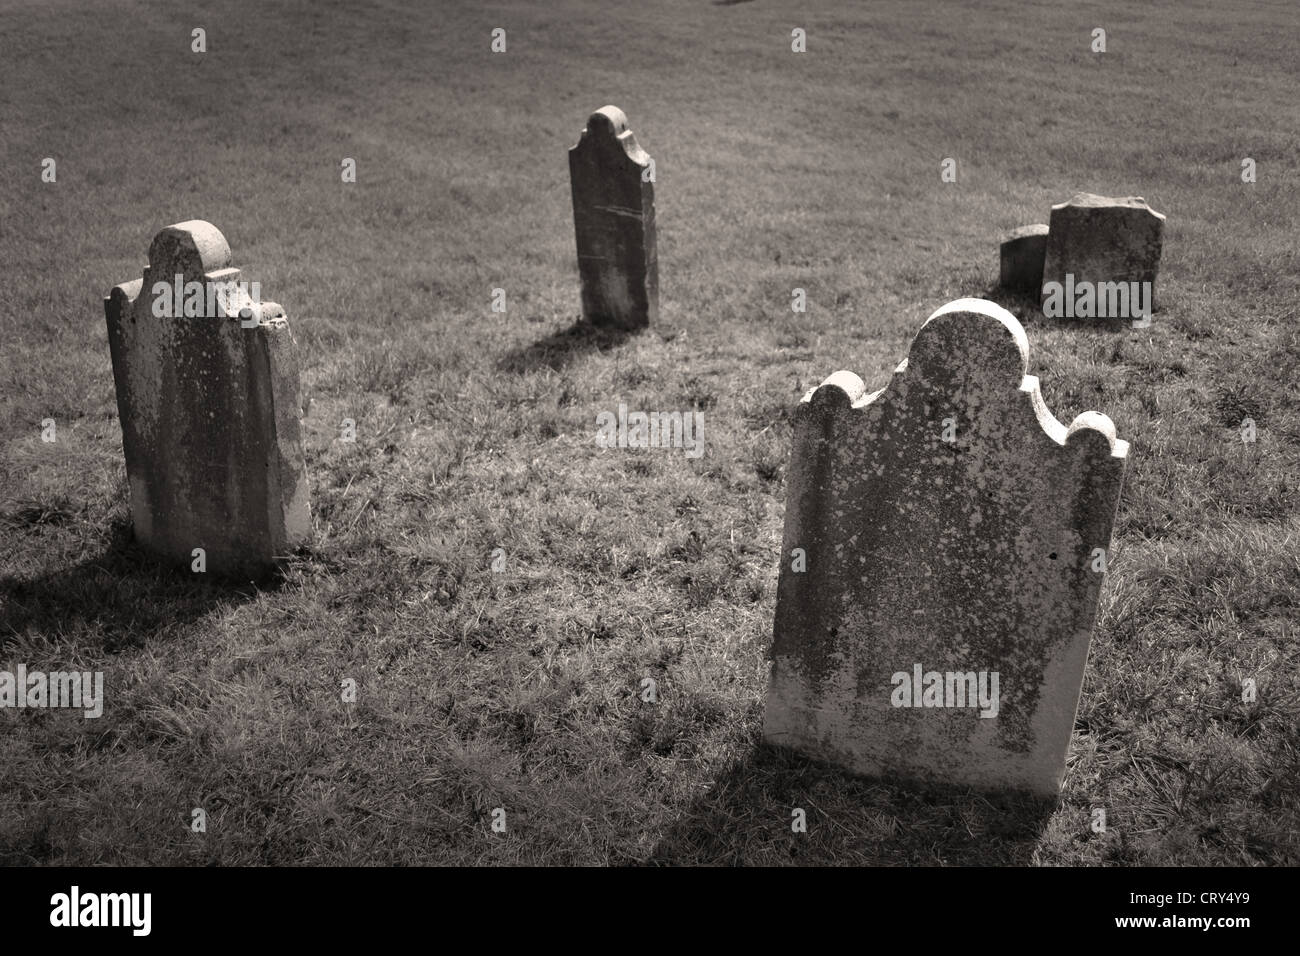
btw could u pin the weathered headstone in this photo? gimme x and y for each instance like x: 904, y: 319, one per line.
x: 944, y: 544
x: 208, y: 397
x: 614, y: 218
x: 1022, y: 255
x: 1095, y: 240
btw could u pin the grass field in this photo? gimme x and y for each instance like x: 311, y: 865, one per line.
x: 475, y: 429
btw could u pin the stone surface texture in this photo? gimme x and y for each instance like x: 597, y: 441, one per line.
x: 210, y: 416
x: 1023, y: 253
x: 614, y: 219
x: 1102, y: 239
x: 964, y: 556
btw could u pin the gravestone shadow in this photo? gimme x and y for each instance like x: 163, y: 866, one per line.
x: 1018, y: 303
x: 561, y: 348
x: 119, y: 599
x: 1027, y: 308
x: 746, y: 819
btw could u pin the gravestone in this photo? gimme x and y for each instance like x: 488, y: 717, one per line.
x: 209, y: 406
x: 1022, y: 255
x: 1097, y: 239
x: 614, y: 219
x: 943, y: 546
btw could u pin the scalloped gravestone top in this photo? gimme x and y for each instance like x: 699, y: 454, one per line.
x: 208, y: 397
x: 614, y: 219
x: 942, y: 558
x: 1104, y: 254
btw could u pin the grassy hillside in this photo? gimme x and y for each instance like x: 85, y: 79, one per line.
x: 475, y: 429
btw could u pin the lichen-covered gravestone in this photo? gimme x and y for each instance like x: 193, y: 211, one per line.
x: 1099, y: 239
x: 614, y: 218
x: 944, y: 544
x: 208, y: 397
x: 1021, y: 259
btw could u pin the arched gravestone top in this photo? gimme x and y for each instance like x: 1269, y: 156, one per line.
x: 607, y: 132
x: 950, y: 522
x: 192, y: 249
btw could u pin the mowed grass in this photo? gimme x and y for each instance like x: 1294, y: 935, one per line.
x: 475, y: 430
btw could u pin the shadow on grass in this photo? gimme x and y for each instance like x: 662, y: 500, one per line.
x: 745, y: 819
x: 558, y: 349
x: 120, y: 599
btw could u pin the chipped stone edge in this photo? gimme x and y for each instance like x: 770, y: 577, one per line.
x: 1129, y: 202
x: 846, y: 389
x: 266, y: 315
